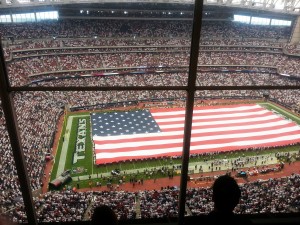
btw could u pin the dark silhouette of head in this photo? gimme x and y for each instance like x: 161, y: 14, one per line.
x: 226, y: 194
x: 103, y: 214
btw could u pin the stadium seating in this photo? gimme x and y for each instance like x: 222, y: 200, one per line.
x: 38, y: 112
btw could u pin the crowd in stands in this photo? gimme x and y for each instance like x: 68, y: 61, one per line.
x: 141, y: 28
x: 271, y: 196
x: 54, y: 207
x: 170, y: 48
x: 176, y: 34
x: 285, y: 97
x: 277, y: 195
x: 25, y: 69
x: 37, y: 112
x: 125, y: 209
x: 9, y: 182
x: 159, y: 203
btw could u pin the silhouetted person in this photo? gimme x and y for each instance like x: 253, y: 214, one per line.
x: 103, y: 214
x: 226, y: 196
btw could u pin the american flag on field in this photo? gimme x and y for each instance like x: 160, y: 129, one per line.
x: 152, y: 133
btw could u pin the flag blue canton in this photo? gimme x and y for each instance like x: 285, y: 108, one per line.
x: 123, y: 123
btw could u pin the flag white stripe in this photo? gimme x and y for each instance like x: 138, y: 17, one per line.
x: 159, y: 151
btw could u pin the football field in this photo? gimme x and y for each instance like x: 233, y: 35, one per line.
x: 84, y: 143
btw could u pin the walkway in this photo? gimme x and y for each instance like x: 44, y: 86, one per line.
x: 164, y: 182
x: 268, y: 159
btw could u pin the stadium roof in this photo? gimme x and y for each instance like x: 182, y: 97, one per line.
x: 281, y: 6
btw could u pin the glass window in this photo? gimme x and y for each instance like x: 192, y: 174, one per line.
x: 103, y: 107
x: 242, y: 19
x: 24, y: 17
x: 121, y: 142
x: 275, y: 22
x: 232, y: 123
x: 10, y: 195
x: 24, y: 1
x: 51, y: 15
x: 236, y: 132
x: 5, y: 19
x: 260, y: 21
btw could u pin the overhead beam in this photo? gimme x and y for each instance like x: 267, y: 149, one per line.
x: 281, y: 6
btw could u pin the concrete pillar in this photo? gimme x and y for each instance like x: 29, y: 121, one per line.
x: 295, y: 38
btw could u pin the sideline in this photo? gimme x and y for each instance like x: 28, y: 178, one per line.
x: 159, y: 183
x: 264, y: 160
x: 65, y: 146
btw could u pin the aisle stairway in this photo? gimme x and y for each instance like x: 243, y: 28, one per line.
x: 137, y: 207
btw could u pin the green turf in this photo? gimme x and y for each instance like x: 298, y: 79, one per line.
x: 282, y: 111
x: 58, y: 152
x: 140, y: 165
x: 87, y: 162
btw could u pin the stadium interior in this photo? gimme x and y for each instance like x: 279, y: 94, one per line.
x: 205, y: 87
